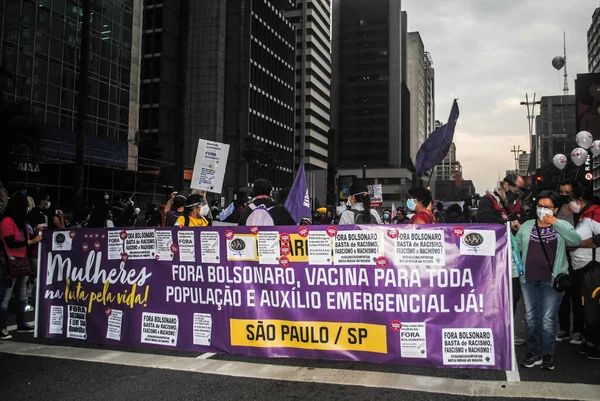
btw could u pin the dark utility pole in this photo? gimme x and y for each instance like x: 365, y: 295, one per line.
x: 84, y: 66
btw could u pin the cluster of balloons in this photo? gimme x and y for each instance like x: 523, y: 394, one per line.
x: 579, y: 155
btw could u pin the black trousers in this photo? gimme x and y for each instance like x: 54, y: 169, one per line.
x: 572, y: 302
x: 590, y: 289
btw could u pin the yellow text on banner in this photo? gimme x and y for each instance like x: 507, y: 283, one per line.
x: 328, y: 336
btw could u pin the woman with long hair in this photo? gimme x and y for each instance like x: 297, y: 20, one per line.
x: 16, y: 241
x: 360, y: 206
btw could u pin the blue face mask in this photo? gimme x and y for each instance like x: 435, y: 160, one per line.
x: 410, y: 204
x: 386, y: 216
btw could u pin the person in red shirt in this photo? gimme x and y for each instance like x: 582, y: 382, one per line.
x: 419, y: 201
x: 16, y: 243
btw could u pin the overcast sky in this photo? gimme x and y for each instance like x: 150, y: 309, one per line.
x: 488, y: 54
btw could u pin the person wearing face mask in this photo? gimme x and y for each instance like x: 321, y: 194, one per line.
x: 504, y: 204
x: 198, y: 211
x: 387, y: 217
x: 588, y: 225
x: 419, y: 201
x: 571, y: 302
x: 541, y: 244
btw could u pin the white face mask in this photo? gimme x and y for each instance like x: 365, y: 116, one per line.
x: 137, y: 210
x: 106, y: 197
x: 575, y: 207
x: 204, y: 210
x: 48, y: 204
x: 543, y: 211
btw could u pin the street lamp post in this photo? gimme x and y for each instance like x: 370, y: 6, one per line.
x: 531, y: 119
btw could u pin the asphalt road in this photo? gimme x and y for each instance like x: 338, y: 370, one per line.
x: 79, y: 370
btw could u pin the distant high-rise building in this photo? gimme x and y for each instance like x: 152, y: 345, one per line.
x: 370, y: 98
x: 40, y: 51
x: 449, y: 166
x: 161, y: 125
x: 312, y: 21
x: 523, y: 164
x: 260, y: 79
x: 369, y: 74
x: 593, y: 36
x: 429, y: 94
x: 555, y: 126
x: 421, y: 84
x: 221, y: 70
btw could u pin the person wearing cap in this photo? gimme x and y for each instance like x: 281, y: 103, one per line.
x: 504, y: 204
x: 360, y: 206
x: 174, y: 208
x: 197, y: 212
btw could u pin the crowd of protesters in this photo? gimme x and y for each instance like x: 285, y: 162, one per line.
x: 552, y: 234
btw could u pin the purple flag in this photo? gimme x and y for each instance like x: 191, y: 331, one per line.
x: 298, y: 201
x: 436, y: 146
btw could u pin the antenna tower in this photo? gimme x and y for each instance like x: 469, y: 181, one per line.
x: 566, y: 87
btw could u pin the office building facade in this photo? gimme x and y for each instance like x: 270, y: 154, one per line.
x: 555, y: 126
x: 225, y: 71
x: 312, y: 22
x: 39, y: 52
x: 260, y: 77
x: 369, y: 77
x: 421, y: 84
x: 593, y: 42
x: 370, y: 98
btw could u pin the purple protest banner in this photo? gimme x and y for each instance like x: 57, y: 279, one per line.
x: 433, y: 295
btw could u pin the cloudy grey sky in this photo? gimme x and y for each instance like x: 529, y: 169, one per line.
x: 488, y: 54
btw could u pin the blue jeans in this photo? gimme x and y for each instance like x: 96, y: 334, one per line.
x: 541, y: 310
x: 19, y: 284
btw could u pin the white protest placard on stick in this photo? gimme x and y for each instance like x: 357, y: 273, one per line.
x: 209, y: 168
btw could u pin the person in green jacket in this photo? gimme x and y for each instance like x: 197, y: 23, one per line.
x: 541, y: 300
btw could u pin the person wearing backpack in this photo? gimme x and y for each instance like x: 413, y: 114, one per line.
x: 360, y: 202
x: 198, y: 210
x: 419, y: 201
x: 263, y: 210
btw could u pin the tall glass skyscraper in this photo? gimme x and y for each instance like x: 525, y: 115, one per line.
x: 40, y: 49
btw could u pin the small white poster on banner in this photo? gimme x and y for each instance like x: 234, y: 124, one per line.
x: 115, y: 322
x: 161, y: 329
x: 202, y: 328
x: 468, y: 347
x: 61, y: 241
x: 478, y: 243
x: 141, y: 244
x: 420, y: 247
x: 56, y: 319
x: 115, y: 245
x: 209, y: 167
x: 319, y: 248
x: 164, y: 240
x: 268, y: 247
x: 187, y: 246
x: 357, y: 247
x: 77, y: 324
x: 210, y: 246
x: 242, y: 248
x: 413, y: 340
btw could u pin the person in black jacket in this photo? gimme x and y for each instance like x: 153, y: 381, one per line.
x: 263, y: 195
